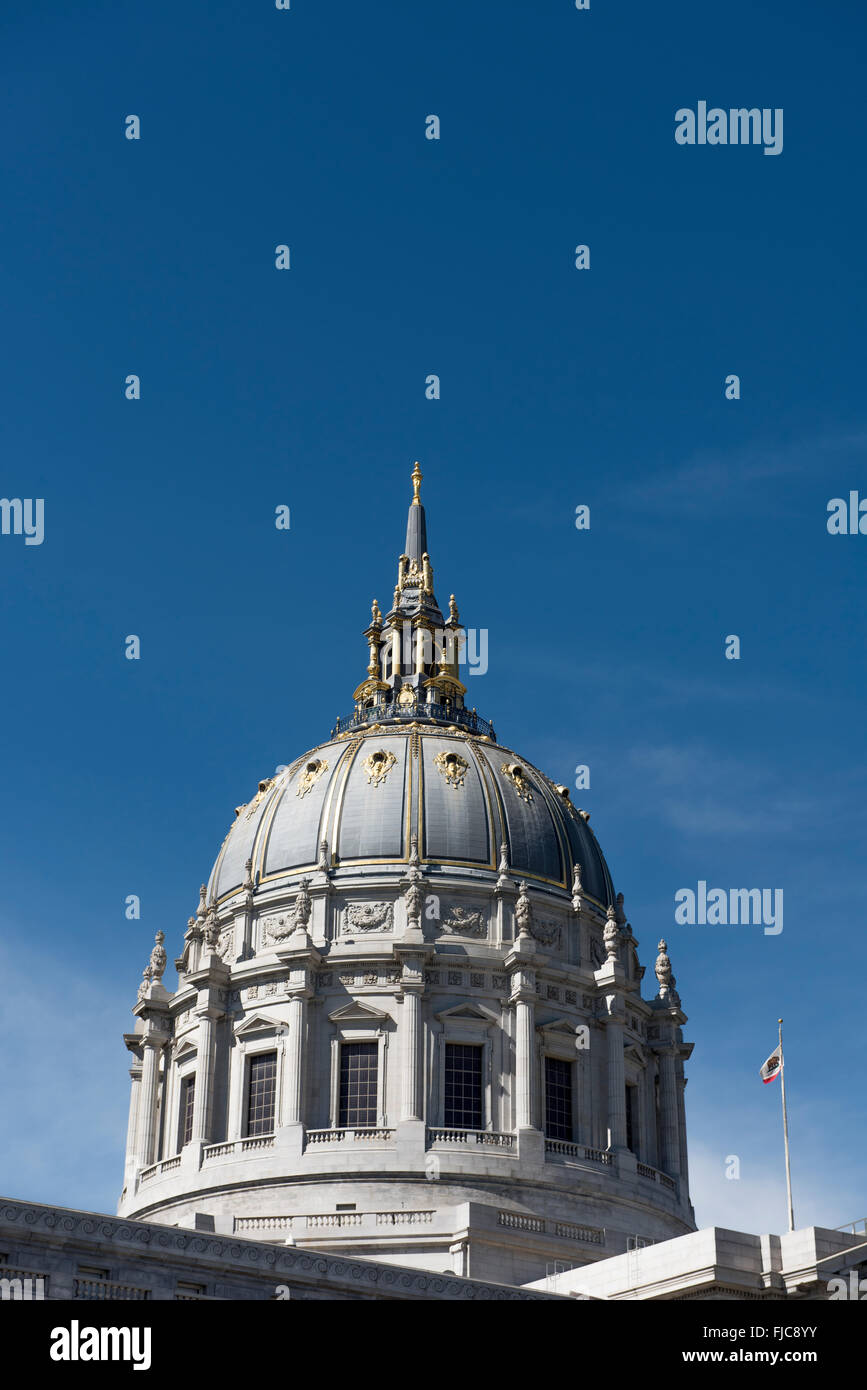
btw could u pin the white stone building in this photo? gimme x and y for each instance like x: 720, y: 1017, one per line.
x: 408, y: 1022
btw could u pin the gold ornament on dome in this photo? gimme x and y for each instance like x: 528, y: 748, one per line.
x: 406, y: 696
x: 518, y: 778
x: 378, y: 765
x: 264, y: 788
x: 453, y: 767
x: 310, y: 776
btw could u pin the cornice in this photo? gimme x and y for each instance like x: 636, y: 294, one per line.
x: 245, y: 1256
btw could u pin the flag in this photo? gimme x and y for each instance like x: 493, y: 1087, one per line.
x: 771, y: 1068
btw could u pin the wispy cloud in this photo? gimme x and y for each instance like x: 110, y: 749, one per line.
x: 711, y: 480
x: 699, y: 792
x: 825, y: 1192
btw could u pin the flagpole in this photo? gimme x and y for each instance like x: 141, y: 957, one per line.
x: 786, y: 1130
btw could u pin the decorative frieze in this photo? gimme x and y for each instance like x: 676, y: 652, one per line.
x: 370, y: 917
x: 460, y: 920
x: 548, y: 934
x: 277, y: 927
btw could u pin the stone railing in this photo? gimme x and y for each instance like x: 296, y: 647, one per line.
x: 489, y: 1138
x: 338, y: 1219
x: 233, y: 1146
x: 589, y: 1235
x: 404, y: 1218
x: 262, y: 1223
x: 159, y: 1168
x: 645, y: 1171
x: 333, y: 1219
x: 516, y: 1221
x: 342, y: 1136
x: 561, y: 1149
x: 107, y: 1290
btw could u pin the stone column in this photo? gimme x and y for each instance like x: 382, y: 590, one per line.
x: 146, y: 1135
x: 135, y: 1073
x: 669, y: 1158
x: 295, y: 1052
x: 681, y: 1119
x: 525, y: 1052
x: 616, y: 1085
x: 204, y: 1092
x: 411, y: 1108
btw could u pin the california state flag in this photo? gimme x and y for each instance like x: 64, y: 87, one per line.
x: 771, y: 1068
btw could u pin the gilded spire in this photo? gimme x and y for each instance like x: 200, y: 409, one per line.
x: 417, y: 476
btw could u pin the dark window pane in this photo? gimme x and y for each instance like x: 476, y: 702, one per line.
x: 463, y: 1109
x: 558, y: 1098
x: 632, y: 1118
x: 188, y: 1101
x: 359, y: 1067
x: 262, y: 1094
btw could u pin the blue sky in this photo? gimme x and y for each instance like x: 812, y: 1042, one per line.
x: 559, y: 387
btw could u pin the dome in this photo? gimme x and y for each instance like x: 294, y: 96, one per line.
x: 408, y: 1021
x: 366, y: 794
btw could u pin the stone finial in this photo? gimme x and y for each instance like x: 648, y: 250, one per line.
x: 414, y: 898
x: 618, y: 910
x: 157, y: 962
x: 212, y: 929
x: 203, y: 903
x: 577, y: 887
x: 153, y: 971
x: 303, y: 905
x: 413, y: 852
x: 667, y: 981
x: 192, y: 926
x: 611, y: 934
x: 503, y: 880
x: 523, y: 912
x: 248, y: 884
x: 323, y: 863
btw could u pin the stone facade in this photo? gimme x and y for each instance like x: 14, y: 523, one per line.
x: 56, y: 1254
x: 723, y: 1265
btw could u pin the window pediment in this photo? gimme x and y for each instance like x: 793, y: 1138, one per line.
x: 259, y: 1023
x: 468, y: 1013
x: 356, y: 1012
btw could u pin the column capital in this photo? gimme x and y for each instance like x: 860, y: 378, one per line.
x: 212, y: 971
x: 299, y: 952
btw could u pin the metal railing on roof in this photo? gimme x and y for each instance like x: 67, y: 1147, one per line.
x: 395, y: 713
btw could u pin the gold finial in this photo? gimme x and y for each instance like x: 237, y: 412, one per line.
x: 376, y: 614
x: 453, y: 610
x: 416, y: 484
